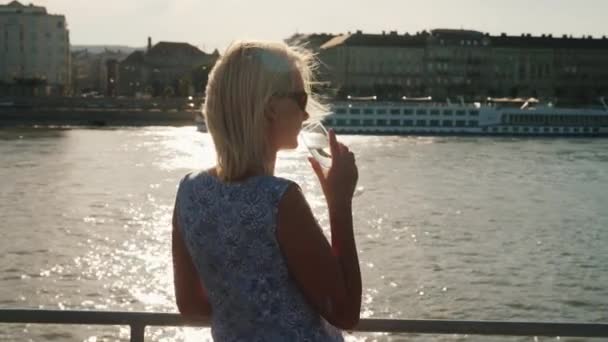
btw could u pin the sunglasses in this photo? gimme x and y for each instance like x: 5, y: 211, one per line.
x: 300, y: 97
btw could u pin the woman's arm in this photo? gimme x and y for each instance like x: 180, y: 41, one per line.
x: 329, y: 276
x: 190, y: 294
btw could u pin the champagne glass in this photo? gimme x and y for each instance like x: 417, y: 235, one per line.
x: 316, y: 139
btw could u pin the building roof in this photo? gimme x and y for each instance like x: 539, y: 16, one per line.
x: 456, y: 34
x: 17, y: 7
x: 136, y: 57
x: 548, y: 42
x: 309, y: 40
x: 173, y: 48
x: 423, y: 38
x: 391, y: 39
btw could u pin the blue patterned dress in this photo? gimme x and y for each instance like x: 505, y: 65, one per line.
x: 229, y: 230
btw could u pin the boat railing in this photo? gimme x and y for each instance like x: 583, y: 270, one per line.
x: 138, y: 321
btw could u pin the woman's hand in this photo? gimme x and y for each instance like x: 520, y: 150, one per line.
x: 340, y: 180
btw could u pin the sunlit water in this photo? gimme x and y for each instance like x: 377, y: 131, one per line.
x: 447, y: 228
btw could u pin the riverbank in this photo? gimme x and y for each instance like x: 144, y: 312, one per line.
x: 96, y: 117
x: 98, y: 111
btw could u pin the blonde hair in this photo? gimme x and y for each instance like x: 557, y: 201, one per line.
x: 239, y: 88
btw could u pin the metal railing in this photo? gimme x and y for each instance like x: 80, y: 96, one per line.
x: 138, y: 321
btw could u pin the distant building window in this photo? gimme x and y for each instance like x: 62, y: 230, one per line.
x: 447, y: 123
x: 395, y: 111
x: 460, y: 123
x: 368, y: 122
x: 394, y: 122
x: 420, y: 123
x: 421, y: 112
x: 355, y: 122
x: 473, y: 123
x: 381, y: 122
x: 340, y: 122
x: 460, y: 112
x: 408, y: 112
x: 338, y: 111
x: 434, y: 111
x: 473, y: 112
x: 355, y: 111
x: 434, y: 123
x: 368, y: 111
x: 447, y: 112
x: 381, y: 111
x: 408, y: 123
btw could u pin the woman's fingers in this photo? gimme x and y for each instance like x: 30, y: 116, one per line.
x: 316, y: 167
x: 334, y: 146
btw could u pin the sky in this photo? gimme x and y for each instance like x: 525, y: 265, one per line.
x: 214, y: 24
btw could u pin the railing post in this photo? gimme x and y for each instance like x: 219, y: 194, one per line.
x: 137, y: 332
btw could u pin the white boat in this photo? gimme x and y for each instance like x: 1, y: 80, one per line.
x: 496, y: 117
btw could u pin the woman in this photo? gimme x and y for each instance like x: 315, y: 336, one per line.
x: 247, y: 249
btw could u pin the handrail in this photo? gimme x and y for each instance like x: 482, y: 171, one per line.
x: 139, y: 320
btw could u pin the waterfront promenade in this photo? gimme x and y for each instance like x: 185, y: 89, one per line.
x: 76, y: 111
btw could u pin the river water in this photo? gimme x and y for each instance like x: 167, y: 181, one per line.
x: 475, y: 228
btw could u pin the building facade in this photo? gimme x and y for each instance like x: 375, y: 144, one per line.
x: 90, y: 72
x: 34, y: 51
x: 446, y: 63
x: 165, y: 69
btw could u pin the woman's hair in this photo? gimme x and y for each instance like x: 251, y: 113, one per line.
x: 240, y: 86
